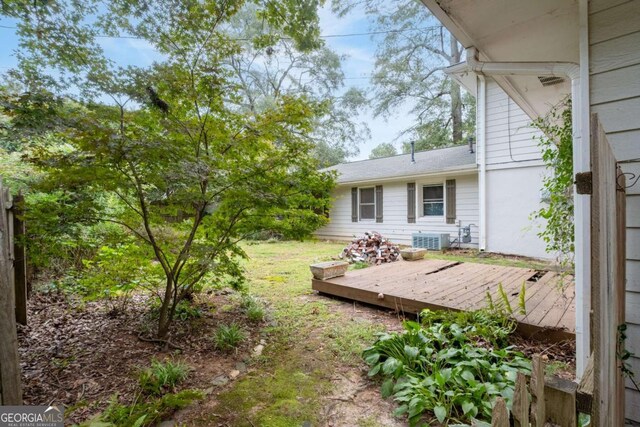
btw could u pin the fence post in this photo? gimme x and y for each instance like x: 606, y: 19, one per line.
x: 520, y: 408
x: 10, y: 387
x: 538, y: 416
x: 20, y: 260
x: 500, y: 414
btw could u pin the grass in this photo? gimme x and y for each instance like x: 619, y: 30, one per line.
x: 162, y: 376
x: 308, y: 339
x: 228, y: 337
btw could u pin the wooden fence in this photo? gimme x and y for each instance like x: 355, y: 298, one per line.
x: 13, y: 296
x: 554, y: 401
x: 608, y: 247
x: 601, y: 390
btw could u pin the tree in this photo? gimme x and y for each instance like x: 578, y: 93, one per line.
x: 190, y: 175
x: 383, y: 150
x: 274, y: 67
x: 410, y: 60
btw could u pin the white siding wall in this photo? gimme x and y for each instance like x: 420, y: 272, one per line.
x: 395, y: 225
x: 510, y: 139
x: 514, y: 178
x: 614, y: 66
x: 509, y: 227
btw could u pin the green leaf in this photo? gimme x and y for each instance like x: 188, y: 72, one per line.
x: 440, y: 413
x: 391, y: 365
x: 411, y: 352
x: 400, y: 410
x: 372, y: 358
x: 468, y: 407
x: 140, y: 421
x: 467, y: 375
x: 374, y: 371
x: 387, y: 388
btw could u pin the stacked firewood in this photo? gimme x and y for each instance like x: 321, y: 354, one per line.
x: 371, y: 248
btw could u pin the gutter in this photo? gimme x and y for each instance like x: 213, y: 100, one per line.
x: 581, y: 163
x: 439, y: 173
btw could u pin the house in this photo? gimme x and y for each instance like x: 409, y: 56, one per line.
x: 486, y: 194
x: 590, y: 50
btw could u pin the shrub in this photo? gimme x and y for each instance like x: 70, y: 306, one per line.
x: 439, y: 368
x: 162, y: 376
x: 228, y: 337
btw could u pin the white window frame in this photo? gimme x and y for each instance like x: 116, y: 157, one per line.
x: 367, y: 204
x: 420, y: 202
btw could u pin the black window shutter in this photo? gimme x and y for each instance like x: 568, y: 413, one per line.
x: 411, y: 202
x: 451, y: 201
x: 378, y: 203
x: 354, y: 204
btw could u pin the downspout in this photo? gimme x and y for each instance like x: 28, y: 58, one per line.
x: 581, y: 163
x: 481, y: 139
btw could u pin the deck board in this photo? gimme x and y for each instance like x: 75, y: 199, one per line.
x: 438, y: 284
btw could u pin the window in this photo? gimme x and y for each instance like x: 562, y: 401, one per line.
x: 367, y: 203
x: 433, y: 200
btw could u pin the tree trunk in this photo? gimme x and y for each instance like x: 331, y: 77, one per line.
x: 456, y: 99
x: 164, y: 322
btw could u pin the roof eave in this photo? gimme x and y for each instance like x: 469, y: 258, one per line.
x: 469, y: 169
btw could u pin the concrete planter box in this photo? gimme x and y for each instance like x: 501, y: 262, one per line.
x: 413, y: 254
x: 327, y: 270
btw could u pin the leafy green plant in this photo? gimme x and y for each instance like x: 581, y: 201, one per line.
x: 228, y: 337
x: 115, y: 272
x: 481, y: 325
x: 162, y: 376
x: 556, y: 144
x: 502, y: 306
x: 624, y: 355
x: 439, y: 368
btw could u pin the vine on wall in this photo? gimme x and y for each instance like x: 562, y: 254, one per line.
x: 556, y: 144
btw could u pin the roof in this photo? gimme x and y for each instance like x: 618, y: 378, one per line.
x: 456, y: 158
x: 517, y: 31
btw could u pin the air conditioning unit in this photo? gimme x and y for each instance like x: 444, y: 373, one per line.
x: 432, y: 241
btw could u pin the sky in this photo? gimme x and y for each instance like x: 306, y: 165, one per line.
x: 358, y: 65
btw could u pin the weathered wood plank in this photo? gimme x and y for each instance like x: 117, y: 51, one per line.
x: 607, y: 293
x: 619, y: 277
x: 520, y: 407
x: 560, y: 401
x: 500, y: 414
x: 584, y: 392
x: 538, y: 415
x: 10, y: 386
x: 412, y: 286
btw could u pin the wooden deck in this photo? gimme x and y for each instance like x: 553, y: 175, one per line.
x: 410, y: 286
